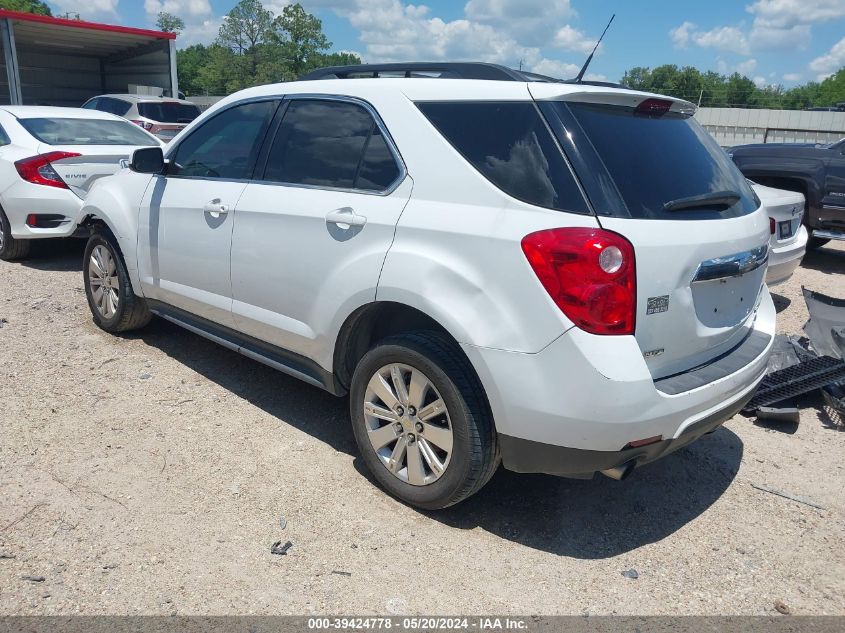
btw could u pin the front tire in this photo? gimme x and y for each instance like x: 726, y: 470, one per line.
x: 11, y: 248
x: 421, y: 420
x: 113, y: 304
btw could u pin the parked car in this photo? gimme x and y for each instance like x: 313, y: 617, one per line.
x: 49, y: 158
x: 566, y: 277
x: 788, y: 241
x: 162, y: 116
x: 815, y: 171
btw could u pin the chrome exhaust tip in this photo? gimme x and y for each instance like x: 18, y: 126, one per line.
x: 619, y: 472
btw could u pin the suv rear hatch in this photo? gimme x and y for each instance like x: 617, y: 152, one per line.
x: 167, y: 117
x: 655, y: 176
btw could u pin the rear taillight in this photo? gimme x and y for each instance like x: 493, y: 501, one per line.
x: 589, y: 273
x: 772, y: 226
x: 144, y: 124
x: 39, y: 171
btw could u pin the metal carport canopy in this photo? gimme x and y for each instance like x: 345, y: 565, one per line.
x: 57, y: 61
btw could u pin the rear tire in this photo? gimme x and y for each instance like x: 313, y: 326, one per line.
x: 11, y: 248
x: 450, y: 449
x: 113, y: 304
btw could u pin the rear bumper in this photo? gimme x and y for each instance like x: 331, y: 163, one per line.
x: 589, y: 396
x: 526, y: 456
x: 23, y: 198
x: 783, y: 260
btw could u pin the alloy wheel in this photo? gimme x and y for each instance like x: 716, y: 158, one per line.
x: 103, y: 281
x: 408, y: 424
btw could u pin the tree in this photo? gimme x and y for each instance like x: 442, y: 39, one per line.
x: 27, y: 6
x: 300, y: 36
x: 169, y: 23
x: 245, y: 26
x: 189, y: 61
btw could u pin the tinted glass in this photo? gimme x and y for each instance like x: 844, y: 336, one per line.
x: 169, y: 111
x: 4, y: 138
x: 91, y: 104
x: 86, y: 132
x: 114, y: 106
x: 656, y: 159
x: 330, y: 144
x: 378, y: 168
x: 510, y: 144
x: 225, y: 146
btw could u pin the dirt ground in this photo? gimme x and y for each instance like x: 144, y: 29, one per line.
x: 148, y: 474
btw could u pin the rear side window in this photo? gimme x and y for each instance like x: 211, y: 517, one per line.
x: 654, y: 160
x: 331, y: 144
x: 86, y: 132
x: 511, y: 146
x: 4, y: 138
x: 169, y: 111
x: 113, y: 106
x: 226, y: 145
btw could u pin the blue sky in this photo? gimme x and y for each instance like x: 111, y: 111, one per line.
x: 772, y: 41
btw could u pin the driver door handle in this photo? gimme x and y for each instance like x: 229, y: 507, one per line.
x: 347, y: 216
x: 215, y: 208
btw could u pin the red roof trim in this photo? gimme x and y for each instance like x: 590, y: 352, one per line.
x: 82, y: 24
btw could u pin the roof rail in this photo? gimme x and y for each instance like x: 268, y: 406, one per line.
x: 443, y: 70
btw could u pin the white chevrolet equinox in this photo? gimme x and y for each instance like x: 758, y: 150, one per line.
x: 566, y: 278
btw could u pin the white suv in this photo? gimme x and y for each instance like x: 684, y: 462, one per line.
x: 565, y: 277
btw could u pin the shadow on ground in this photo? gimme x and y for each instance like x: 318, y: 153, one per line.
x: 826, y: 260
x: 582, y: 519
x: 781, y: 302
x: 55, y: 255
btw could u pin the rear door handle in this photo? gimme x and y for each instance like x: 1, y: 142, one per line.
x: 215, y: 208
x: 346, y: 216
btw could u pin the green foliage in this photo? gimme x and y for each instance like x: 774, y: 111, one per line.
x: 27, y: 6
x: 169, y: 23
x: 714, y: 90
x: 253, y: 47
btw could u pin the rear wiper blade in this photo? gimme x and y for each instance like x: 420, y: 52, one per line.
x: 712, y: 199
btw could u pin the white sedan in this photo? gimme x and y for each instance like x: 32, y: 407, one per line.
x: 788, y: 240
x: 49, y: 158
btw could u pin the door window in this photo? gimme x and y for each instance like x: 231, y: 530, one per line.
x: 226, y: 146
x: 331, y: 144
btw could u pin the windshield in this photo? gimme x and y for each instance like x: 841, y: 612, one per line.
x: 169, y: 111
x: 86, y: 132
x: 660, y: 165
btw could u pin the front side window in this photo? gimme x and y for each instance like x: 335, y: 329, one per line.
x: 331, y: 144
x: 225, y: 146
x: 86, y: 132
x: 509, y: 143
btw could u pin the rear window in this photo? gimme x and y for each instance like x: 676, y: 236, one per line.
x: 169, y: 112
x: 653, y: 160
x: 86, y: 132
x: 511, y: 146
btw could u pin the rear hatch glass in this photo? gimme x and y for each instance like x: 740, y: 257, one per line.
x: 654, y: 160
x: 659, y: 179
x: 169, y: 111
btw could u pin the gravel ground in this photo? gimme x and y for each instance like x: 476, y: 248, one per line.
x: 148, y: 474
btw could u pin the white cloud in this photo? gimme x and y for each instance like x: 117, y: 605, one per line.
x: 747, y: 67
x: 89, y: 9
x: 393, y: 31
x: 724, y: 38
x: 830, y: 62
x: 184, y: 9
x: 571, y: 39
x: 786, y: 13
x: 791, y: 77
x: 680, y: 35
x: 532, y: 21
x: 759, y: 81
x: 200, y: 32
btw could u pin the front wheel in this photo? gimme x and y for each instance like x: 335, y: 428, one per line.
x: 816, y: 242
x: 421, y: 421
x: 114, y: 306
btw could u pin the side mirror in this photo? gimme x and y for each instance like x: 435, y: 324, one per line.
x: 148, y: 160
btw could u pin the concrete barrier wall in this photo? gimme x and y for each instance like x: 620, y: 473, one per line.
x: 738, y: 126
